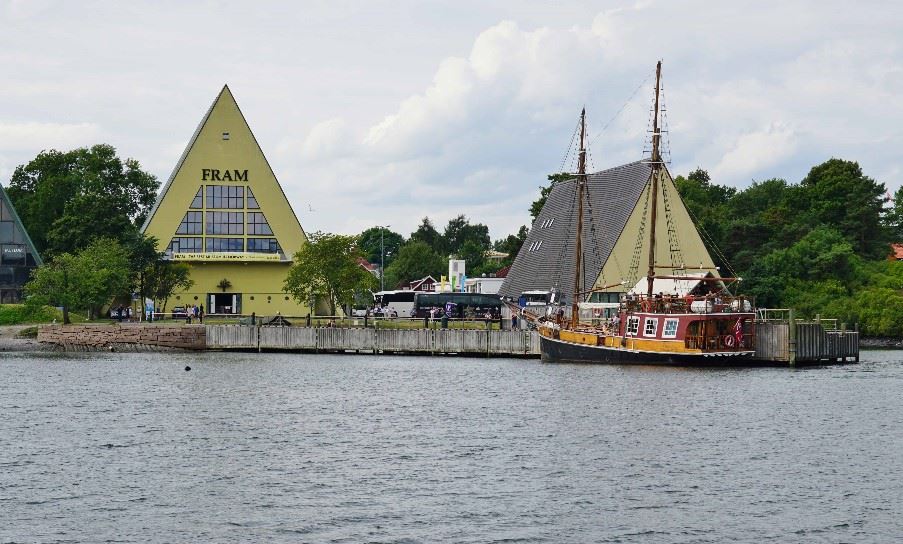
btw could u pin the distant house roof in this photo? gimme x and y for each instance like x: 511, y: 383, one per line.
x: 503, y: 272
x: 897, y: 251
x: 546, y: 260
x: 366, y: 265
x: 423, y: 284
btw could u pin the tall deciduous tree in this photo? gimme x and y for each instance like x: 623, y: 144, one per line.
x: 376, y: 243
x: 85, y: 280
x: 554, y: 179
x: 511, y: 244
x: 163, y: 278
x: 415, y: 260
x: 66, y: 199
x: 327, y: 266
x: 840, y: 195
x: 460, y: 231
x: 428, y: 234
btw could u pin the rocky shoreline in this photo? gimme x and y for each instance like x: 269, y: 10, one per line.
x: 11, y: 341
x: 880, y: 342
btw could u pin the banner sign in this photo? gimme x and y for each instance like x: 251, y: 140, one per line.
x: 223, y: 256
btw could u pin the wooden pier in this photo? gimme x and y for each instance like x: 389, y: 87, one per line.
x: 778, y: 341
x: 490, y: 343
x: 795, y: 342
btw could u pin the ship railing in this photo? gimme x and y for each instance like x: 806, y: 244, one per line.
x: 785, y: 315
x: 675, y: 304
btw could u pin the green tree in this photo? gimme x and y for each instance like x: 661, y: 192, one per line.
x: 793, y: 274
x: 327, y: 266
x: 143, y: 256
x: 707, y: 203
x: 840, y: 195
x: 66, y: 199
x: 163, y: 278
x: 373, y: 241
x: 415, y: 260
x: 86, y: 280
x: 460, y: 231
x: 893, y: 217
x: 474, y: 257
x: 511, y: 245
x: 428, y: 234
x: 544, y: 192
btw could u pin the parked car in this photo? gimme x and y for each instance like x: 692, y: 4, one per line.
x: 179, y: 312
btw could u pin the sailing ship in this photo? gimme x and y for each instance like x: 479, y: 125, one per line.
x: 675, y: 318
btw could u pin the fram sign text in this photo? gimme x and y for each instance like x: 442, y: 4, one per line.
x: 212, y: 174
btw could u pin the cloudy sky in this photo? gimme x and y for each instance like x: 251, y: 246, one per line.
x: 386, y: 112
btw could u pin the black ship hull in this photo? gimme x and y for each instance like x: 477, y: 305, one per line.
x: 557, y: 351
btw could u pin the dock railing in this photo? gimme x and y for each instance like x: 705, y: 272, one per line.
x: 781, y: 336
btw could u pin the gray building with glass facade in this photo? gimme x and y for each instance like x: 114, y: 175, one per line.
x: 18, y: 256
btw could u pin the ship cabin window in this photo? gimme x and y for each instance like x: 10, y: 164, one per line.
x: 670, y: 329
x: 633, y: 325
x: 651, y: 326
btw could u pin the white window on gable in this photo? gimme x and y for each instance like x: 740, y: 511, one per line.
x: 551, y: 220
x: 650, y: 327
x: 538, y: 245
x: 633, y: 325
x: 670, y: 330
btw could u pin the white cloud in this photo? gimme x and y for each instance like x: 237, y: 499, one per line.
x: 385, y: 119
x: 33, y: 136
x: 755, y: 152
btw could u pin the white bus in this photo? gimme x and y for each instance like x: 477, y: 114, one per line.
x: 394, y: 303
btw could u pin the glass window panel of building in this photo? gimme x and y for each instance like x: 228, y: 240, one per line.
x: 198, y: 201
x: 225, y: 196
x: 185, y: 245
x: 225, y: 222
x: 263, y: 245
x: 257, y: 224
x: 220, y: 245
x: 192, y: 223
x: 252, y: 201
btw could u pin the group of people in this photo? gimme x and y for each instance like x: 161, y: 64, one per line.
x: 123, y: 312
x: 193, y: 311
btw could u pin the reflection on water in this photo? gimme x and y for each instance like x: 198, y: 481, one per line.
x: 327, y: 448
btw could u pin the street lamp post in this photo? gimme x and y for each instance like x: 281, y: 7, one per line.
x: 382, y: 256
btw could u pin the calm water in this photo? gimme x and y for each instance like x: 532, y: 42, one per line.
x: 311, y: 448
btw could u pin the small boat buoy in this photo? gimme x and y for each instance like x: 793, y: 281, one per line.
x: 187, y: 368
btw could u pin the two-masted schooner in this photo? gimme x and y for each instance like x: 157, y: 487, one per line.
x: 658, y: 322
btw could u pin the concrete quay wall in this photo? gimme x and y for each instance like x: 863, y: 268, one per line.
x: 126, y: 335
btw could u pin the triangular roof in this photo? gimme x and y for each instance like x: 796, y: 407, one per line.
x: 209, y: 148
x: 615, y: 240
x: 546, y: 260
x: 18, y: 225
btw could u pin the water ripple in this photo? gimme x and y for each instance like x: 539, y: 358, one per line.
x: 310, y: 448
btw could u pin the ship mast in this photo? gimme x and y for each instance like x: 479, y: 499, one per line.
x: 656, y: 167
x: 578, y: 250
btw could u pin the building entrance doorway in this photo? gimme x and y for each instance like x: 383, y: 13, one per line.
x: 224, y: 303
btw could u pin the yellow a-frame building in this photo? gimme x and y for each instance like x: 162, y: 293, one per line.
x: 223, y: 212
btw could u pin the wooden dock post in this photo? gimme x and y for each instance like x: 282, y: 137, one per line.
x: 791, y: 338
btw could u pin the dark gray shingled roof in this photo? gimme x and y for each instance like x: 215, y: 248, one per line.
x: 613, y: 194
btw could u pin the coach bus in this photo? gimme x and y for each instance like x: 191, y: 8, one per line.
x: 458, y: 305
x: 394, y: 303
